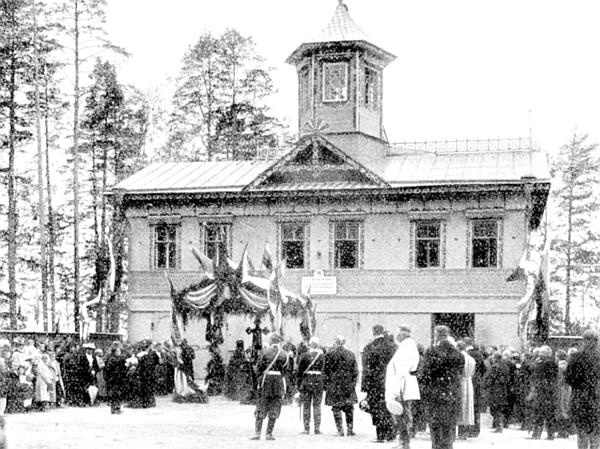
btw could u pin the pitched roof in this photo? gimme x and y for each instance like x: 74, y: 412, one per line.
x: 465, y: 167
x: 221, y: 176
x: 400, y: 169
x: 310, y: 139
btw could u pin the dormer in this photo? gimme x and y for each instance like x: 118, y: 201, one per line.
x: 340, y: 81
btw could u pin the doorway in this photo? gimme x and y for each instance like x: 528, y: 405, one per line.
x: 460, y: 324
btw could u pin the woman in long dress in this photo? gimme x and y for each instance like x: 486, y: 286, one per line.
x: 467, y: 409
x: 44, y: 378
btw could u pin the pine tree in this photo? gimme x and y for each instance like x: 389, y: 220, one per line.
x: 86, y: 37
x: 15, y: 81
x: 575, y: 246
x: 218, y: 106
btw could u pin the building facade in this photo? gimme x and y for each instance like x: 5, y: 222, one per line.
x: 418, y: 234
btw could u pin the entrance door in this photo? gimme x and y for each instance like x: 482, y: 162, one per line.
x: 460, y: 324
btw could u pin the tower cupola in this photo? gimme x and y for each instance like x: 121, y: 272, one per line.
x: 340, y: 81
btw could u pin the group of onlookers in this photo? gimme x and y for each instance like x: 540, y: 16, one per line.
x: 406, y: 387
x: 38, y: 375
x: 445, y: 387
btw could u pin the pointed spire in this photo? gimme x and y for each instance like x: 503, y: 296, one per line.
x: 341, y: 27
x: 341, y: 30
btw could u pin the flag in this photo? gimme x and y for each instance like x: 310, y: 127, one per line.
x: 112, y: 268
x: 267, y: 259
x: 205, y: 262
x: 176, y: 319
x: 526, y: 307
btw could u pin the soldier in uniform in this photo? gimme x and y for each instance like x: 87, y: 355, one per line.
x: 271, y: 369
x: 310, y: 384
x: 376, y: 356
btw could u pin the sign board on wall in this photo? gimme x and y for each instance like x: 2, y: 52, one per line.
x: 319, y: 284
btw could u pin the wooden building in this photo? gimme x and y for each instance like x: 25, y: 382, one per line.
x: 420, y: 233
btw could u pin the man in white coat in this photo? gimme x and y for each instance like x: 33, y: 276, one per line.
x: 401, y: 386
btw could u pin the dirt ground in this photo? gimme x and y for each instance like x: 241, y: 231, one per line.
x: 218, y: 424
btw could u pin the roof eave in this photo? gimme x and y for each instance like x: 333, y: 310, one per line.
x: 297, y: 54
x: 539, y: 186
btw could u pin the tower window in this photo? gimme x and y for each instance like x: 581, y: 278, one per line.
x: 335, y: 81
x: 304, y: 86
x: 370, y: 88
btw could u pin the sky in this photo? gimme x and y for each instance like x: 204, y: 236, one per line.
x: 464, y: 68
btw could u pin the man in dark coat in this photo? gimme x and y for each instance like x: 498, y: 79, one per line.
x: 234, y: 369
x: 497, y: 382
x: 340, y: 374
x: 87, y: 370
x: 310, y: 384
x: 115, y: 373
x: 74, y: 394
x: 271, y: 369
x: 145, y: 378
x: 441, y: 388
x: 376, y: 356
x: 583, y: 374
x: 544, y: 381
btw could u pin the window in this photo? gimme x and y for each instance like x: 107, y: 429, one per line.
x: 216, y: 241
x: 304, y: 86
x: 484, y: 243
x: 427, y: 244
x: 347, y: 244
x: 293, y: 245
x: 335, y: 81
x: 370, y: 90
x: 165, y: 246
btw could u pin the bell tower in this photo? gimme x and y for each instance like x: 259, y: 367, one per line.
x: 340, y: 82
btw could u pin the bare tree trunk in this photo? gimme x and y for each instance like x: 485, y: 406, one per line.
x: 76, y: 173
x: 118, y: 244
x: 98, y: 247
x: 569, y: 243
x: 50, y: 221
x: 12, y: 195
x: 40, y: 172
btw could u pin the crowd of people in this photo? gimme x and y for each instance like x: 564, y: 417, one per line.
x: 404, y: 387
x: 39, y: 375
x: 446, y: 387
